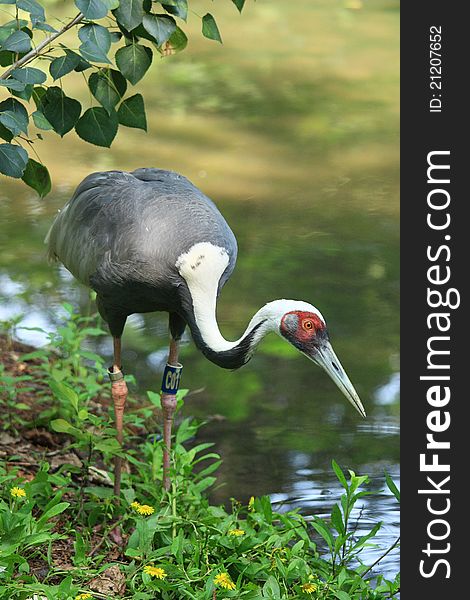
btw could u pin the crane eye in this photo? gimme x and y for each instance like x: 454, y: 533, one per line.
x: 307, y: 325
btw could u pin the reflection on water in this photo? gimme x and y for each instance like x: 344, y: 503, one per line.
x: 295, y: 138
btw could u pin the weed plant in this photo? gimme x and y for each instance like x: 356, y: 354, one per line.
x: 58, y: 529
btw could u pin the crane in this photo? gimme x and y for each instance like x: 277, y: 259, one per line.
x: 149, y: 240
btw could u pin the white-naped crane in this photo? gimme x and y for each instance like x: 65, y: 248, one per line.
x: 152, y: 241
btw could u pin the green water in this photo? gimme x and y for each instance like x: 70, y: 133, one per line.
x: 292, y: 128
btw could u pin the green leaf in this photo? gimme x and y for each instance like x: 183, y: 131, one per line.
x: 39, y: 93
x: 342, y: 595
x: 298, y: 547
x: 339, y: 474
x: 391, y: 486
x: 337, y: 519
x: 64, y: 587
x: 91, y: 52
x: 82, y: 414
x: 116, y: 36
x: 13, y: 160
x: 267, y: 509
x: 64, y: 64
x: 160, y: 27
x: 108, y: 86
x: 356, y: 480
x: 179, y: 8
x: 37, y: 176
x: 13, y: 84
x: 43, y: 26
x: 208, y: 470
x: 14, y: 25
x: 40, y: 121
x: 205, y: 483
x: 96, y: 42
x: 5, y: 133
x: 133, y: 61
x: 325, y: 533
x: 210, y: 29
x: 130, y: 13
x: 82, y: 63
x: 34, y: 9
x: 24, y: 94
x: 97, y: 127
x: 271, y: 589
x: 362, y: 540
x: 17, y: 115
x: 18, y: 41
x: 108, y: 445
x: 29, y: 75
x: 6, y: 30
x: 64, y: 393
x: 239, y: 4
x: 131, y: 112
x: 92, y: 9
x: 61, y: 425
x: 61, y: 111
x: 111, y: 4
x: 13, y: 121
x: 99, y: 492
x: 153, y: 396
x: 177, y: 42
x: 52, y: 512
x: 6, y: 58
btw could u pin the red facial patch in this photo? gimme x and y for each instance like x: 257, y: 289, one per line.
x: 308, y: 324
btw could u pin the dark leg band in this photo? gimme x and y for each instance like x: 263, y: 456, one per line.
x: 115, y: 376
x: 171, y: 378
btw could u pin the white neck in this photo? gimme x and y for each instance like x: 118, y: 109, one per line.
x: 267, y: 319
x: 202, y: 267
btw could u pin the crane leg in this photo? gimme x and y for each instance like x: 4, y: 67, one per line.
x: 119, y: 395
x: 170, y: 383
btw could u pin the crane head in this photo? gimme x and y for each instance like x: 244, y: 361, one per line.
x: 305, y: 328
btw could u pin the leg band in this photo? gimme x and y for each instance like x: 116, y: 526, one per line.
x: 115, y: 376
x: 171, y: 378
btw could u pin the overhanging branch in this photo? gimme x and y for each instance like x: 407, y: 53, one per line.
x: 37, y: 51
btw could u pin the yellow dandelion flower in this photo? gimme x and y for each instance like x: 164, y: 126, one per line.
x: 223, y: 580
x: 251, y: 503
x: 17, y: 492
x: 308, y: 588
x: 236, y: 532
x: 157, y: 572
x: 135, y: 505
x: 145, y: 509
x: 83, y: 597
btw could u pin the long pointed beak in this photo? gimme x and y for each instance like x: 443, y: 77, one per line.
x: 326, y: 358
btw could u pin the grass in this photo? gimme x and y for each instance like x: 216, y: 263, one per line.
x: 64, y: 536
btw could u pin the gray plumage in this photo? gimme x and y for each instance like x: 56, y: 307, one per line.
x: 151, y: 241
x: 122, y: 233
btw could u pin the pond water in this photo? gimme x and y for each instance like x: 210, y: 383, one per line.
x: 292, y: 128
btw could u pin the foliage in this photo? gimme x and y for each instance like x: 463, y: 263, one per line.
x: 123, y: 32
x: 176, y: 544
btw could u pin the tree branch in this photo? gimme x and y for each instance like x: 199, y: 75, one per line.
x: 36, y: 52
